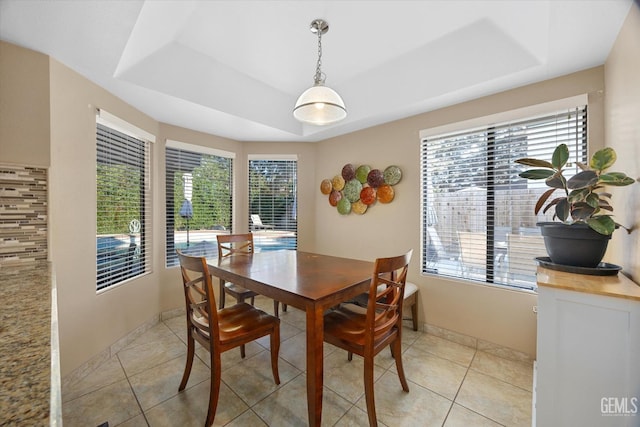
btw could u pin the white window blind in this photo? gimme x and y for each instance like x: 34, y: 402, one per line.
x: 477, y: 213
x: 123, y: 207
x: 273, y: 198
x: 199, y: 195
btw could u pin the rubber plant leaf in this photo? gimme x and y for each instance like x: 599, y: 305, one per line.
x: 578, y: 195
x: 535, y: 162
x: 617, y: 179
x: 562, y: 209
x: 560, y: 156
x: 556, y: 181
x: 582, y: 180
x: 582, y: 211
x: 593, y: 200
x: 543, y: 198
x: 602, y: 224
x: 536, y: 174
x: 553, y: 203
x: 603, y: 159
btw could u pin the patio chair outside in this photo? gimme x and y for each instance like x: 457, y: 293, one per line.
x: 521, y: 252
x: 256, y: 223
x: 473, y: 252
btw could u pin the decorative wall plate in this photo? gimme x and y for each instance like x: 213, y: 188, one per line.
x: 385, y: 193
x: 335, y: 197
x: 337, y: 182
x: 392, y: 175
x: 375, y: 178
x: 368, y: 195
x: 359, y: 207
x: 326, y: 186
x: 344, y: 206
x: 352, y: 190
x: 348, y: 172
x: 362, y: 172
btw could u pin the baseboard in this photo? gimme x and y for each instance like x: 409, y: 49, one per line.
x: 93, y: 363
x: 478, y: 344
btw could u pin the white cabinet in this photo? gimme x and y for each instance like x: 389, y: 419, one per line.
x: 588, y: 355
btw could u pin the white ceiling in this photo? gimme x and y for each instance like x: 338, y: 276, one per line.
x: 235, y: 68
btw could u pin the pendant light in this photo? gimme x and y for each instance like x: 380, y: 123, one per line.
x: 319, y: 105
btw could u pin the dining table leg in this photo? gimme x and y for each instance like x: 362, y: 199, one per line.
x: 315, y: 336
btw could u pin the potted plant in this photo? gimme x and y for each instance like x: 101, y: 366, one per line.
x: 583, y: 208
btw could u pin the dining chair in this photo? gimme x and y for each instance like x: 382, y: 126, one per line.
x: 220, y: 330
x: 366, y: 334
x: 230, y: 245
x: 238, y: 244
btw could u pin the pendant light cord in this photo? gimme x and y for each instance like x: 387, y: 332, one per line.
x: 319, y: 78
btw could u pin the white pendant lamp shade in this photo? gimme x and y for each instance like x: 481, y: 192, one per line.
x: 319, y: 105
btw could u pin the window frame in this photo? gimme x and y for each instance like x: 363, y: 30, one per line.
x: 487, y: 123
x: 170, y: 258
x: 111, y: 130
x: 261, y: 240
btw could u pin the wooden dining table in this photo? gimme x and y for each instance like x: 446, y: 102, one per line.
x: 307, y: 281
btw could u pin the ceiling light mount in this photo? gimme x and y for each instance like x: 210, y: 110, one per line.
x: 319, y: 105
x: 319, y: 25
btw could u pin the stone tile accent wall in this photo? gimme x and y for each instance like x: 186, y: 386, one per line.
x: 23, y: 214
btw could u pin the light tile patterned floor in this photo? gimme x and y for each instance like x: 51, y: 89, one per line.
x: 450, y: 385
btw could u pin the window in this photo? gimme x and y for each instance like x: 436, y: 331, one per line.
x: 273, y: 203
x: 123, y: 237
x: 477, y: 213
x: 199, y: 190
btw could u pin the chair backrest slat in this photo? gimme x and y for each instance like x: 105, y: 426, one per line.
x: 199, y: 297
x: 384, y: 308
x: 235, y: 244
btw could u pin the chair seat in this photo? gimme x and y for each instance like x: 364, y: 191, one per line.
x: 349, y: 326
x: 239, y: 320
x: 243, y: 319
x: 410, y: 289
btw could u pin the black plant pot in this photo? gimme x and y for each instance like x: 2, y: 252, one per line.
x: 576, y: 244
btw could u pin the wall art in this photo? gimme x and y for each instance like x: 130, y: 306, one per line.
x: 357, y: 189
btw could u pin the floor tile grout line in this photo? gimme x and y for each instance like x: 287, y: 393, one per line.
x: 127, y: 377
x: 501, y: 380
x: 460, y: 388
x: 495, y: 377
x: 480, y: 414
x: 135, y: 396
x: 187, y: 387
x: 453, y: 401
x: 410, y: 346
x: 279, y: 386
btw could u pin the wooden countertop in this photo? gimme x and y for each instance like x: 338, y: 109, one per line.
x: 28, y: 381
x: 619, y: 286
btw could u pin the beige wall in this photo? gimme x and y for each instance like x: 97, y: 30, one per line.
x: 24, y: 106
x: 88, y: 322
x: 490, y: 313
x: 63, y: 135
x: 622, y: 127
